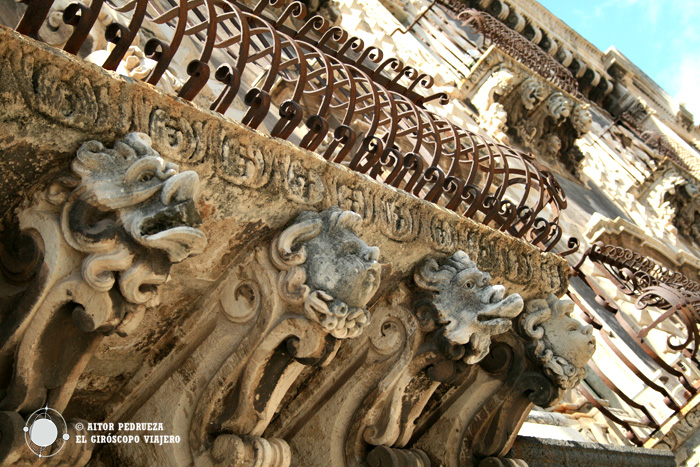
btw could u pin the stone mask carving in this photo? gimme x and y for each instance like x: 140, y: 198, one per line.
x: 132, y: 213
x: 326, y: 267
x: 558, y: 106
x: 460, y: 300
x: 531, y: 93
x: 561, y: 343
x: 581, y: 118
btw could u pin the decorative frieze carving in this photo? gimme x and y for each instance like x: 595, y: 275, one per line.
x: 223, y: 151
x: 302, y: 185
x: 681, y: 431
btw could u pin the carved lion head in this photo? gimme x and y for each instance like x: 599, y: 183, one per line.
x: 326, y: 267
x: 132, y: 213
x: 461, y: 303
x: 561, y: 343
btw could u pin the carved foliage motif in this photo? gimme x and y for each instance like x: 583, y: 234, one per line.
x: 302, y: 185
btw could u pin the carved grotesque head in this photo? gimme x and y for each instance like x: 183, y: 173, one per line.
x: 132, y: 213
x: 561, y: 343
x: 532, y: 93
x: 558, y: 106
x: 581, y: 118
x: 550, y: 145
x: 329, y: 269
x: 461, y: 304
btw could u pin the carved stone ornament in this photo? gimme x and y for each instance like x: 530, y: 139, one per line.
x: 561, y: 344
x: 328, y: 269
x: 109, y: 234
x: 518, y: 107
x: 463, y: 307
x: 676, y: 196
x: 318, y: 278
x: 454, y: 313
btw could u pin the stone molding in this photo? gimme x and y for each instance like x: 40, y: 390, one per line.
x: 546, y: 452
x: 232, y: 157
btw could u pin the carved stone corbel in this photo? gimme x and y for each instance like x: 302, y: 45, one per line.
x: 516, y: 105
x: 485, y: 418
x: 457, y: 312
x: 321, y: 277
x: 108, y: 235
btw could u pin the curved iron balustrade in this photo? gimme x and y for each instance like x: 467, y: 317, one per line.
x: 515, y: 45
x: 368, y: 111
x: 650, y: 285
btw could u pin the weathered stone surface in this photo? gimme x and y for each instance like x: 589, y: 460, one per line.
x: 518, y: 107
x: 110, y: 232
x: 560, y: 343
x: 543, y: 452
x: 463, y: 305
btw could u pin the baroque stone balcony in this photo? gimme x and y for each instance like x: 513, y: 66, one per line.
x: 163, y: 264
x: 282, y: 327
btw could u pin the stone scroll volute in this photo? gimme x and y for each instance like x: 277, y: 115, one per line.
x: 457, y: 312
x: 534, y: 365
x: 108, y: 234
x: 323, y: 275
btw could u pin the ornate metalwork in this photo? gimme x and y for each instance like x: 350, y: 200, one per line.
x: 515, y: 45
x: 368, y: 111
x: 663, y: 145
x: 668, y: 148
x: 650, y: 285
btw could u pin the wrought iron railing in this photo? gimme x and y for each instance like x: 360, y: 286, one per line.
x: 515, y: 45
x: 369, y: 110
x: 664, y: 146
x: 650, y: 285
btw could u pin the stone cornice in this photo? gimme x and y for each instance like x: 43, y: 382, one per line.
x: 562, y: 31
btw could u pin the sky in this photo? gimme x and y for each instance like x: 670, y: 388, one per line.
x: 661, y: 37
